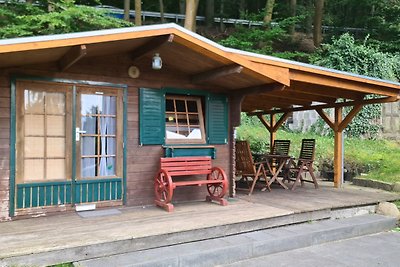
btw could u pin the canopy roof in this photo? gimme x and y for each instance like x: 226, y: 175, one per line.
x: 266, y: 84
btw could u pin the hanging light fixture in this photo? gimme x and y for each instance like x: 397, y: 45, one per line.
x: 157, y: 62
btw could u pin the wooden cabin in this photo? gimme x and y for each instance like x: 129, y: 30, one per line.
x: 85, y: 117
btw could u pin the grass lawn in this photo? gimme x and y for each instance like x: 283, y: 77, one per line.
x: 376, y: 159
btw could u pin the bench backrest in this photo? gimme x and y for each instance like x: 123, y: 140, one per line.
x: 180, y: 166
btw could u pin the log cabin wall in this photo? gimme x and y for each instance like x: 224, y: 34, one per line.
x: 4, y: 145
x: 142, y: 161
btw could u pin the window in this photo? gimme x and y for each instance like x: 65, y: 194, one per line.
x: 167, y: 118
x: 184, y: 121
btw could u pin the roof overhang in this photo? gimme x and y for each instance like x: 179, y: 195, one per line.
x: 252, y: 76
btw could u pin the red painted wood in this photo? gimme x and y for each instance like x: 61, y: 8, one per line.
x: 216, y: 180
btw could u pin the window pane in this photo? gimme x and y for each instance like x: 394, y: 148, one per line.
x: 55, y: 169
x: 34, y: 147
x: 108, y: 105
x: 89, y: 124
x: 33, y: 170
x: 180, y: 106
x: 107, y: 125
x: 55, y: 125
x: 55, y: 103
x: 195, y: 133
x: 90, y: 104
x: 88, y: 166
x: 34, y: 102
x: 34, y: 125
x: 56, y: 147
x: 169, y: 105
x: 192, y: 106
x: 89, y: 146
x: 107, y: 166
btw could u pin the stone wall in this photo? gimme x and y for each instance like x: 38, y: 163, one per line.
x: 391, y: 120
x: 303, y: 120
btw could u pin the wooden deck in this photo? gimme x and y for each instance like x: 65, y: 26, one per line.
x: 69, y: 237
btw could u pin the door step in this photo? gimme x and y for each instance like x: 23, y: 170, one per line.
x: 244, y: 246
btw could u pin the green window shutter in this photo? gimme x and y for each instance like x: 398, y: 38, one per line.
x: 217, y: 119
x: 152, y: 116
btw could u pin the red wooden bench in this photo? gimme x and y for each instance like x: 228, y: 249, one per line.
x: 217, y: 182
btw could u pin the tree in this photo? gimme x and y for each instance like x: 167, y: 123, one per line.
x: 269, y: 8
x: 191, y: 11
x: 346, y: 55
x: 20, y: 20
x: 138, y: 12
x: 210, y: 10
x: 162, y: 11
x: 293, y: 5
x: 127, y: 9
x: 318, y: 14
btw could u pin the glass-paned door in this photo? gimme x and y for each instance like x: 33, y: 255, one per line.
x: 99, y: 141
x: 68, y: 149
x: 43, y: 154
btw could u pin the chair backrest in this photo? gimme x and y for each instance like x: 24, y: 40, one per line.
x: 244, y: 159
x: 281, y: 147
x: 307, y: 149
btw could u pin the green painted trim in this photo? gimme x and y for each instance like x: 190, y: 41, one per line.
x: 73, y: 155
x: 76, y: 82
x: 105, y: 180
x: 43, y: 184
x: 12, y: 147
x: 125, y: 142
x: 176, y: 151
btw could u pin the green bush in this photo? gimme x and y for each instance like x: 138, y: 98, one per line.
x: 19, y: 20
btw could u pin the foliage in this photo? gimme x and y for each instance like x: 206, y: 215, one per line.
x: 18, y: 20
x: 256, y: 40
x: 373, y: 158
x: 346, y: 55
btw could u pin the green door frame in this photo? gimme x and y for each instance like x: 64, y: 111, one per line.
x: 74, y: 84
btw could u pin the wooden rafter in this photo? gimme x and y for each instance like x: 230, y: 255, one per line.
x: 292, y: 95
x: 216, y: 73
x: 151, y: 45
x: 265, y: 123
x: 325, y: 117
x: 324, y: 91
x: 276, y: 100
x: 349, y: 117
x: 334, y: 105
x: 73, y: 55
x: 334, y: 82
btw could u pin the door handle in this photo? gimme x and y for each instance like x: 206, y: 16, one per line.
x: 78, y: 133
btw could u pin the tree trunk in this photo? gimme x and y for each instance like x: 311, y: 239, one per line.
x: 269, y: 9
x: 319, y: 10
x: 127, y: 8
x: 162, y: 11
x: 190, y: 17
x: 243, y: 7
x: 309, y: 18
x: 293, y: 5
x: 221, y: 16
x: 138, y: 12
x: 182, y: 6
x: 210, y: 11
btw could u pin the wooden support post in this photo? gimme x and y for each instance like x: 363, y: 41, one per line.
x: 338, y: 149
x: 272, y: 134
x: 73, y: 55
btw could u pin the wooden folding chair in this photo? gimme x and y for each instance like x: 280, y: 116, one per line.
x: 281, y: 147
x: 246, y: 168
x: 304, y: 164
